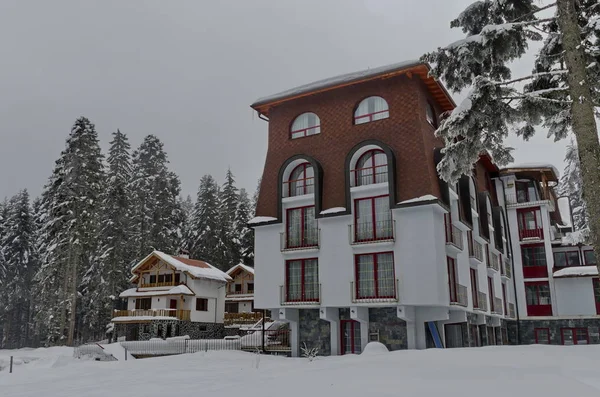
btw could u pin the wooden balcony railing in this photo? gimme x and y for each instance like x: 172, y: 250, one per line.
x: 385, y: 292
x: 242, y: 318
x: 176, y: 313
x: 461, y: 298
x: 481, y: 302
x: 161, y: 284
x: 236, y: 293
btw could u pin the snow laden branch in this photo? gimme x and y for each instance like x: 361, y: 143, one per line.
x: 534, y: 12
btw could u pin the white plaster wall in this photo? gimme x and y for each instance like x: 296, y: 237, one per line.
x: 574, y: 297
x: 244, y: 307
x: 214, y: 291
x: 268, y: 266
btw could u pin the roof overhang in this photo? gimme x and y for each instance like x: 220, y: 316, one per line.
x: 532, y: 172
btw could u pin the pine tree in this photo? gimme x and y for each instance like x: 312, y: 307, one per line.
x: 3, y: 272
x: 69, y: 212
x: 229, y: 243
x: 187, y: 209
x: 156, y: 213
x: 204, y: 228
x: 109, y: 272
x: 245, y: 234
x: 560, y: 93
x: 20, y: 259
x: 570, y: 186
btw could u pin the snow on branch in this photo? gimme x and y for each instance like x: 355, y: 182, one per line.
x: 535, y: 11
x: 532, y: 76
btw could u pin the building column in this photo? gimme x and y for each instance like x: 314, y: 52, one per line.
x: 291, y: 316
x: 332, y: 315
x: 407, y: 313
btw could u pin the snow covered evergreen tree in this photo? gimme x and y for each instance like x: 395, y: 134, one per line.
x: 229, y: 243
x: 204, y: 240
x: 69, y: 212
x: 570, y: 186
x: 20, y: 260
x: 187, y: 209
x: 245, y: 234
x: 109, y: 272
x: 156, y: 212
x: 560, y: 94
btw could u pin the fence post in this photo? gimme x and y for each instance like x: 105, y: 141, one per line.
x: 263, y: 331
x: 185, y: 346
x: 125, y: 354
x: 205, y: 347
x: 11, y: 363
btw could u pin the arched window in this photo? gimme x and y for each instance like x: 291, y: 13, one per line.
x: 301, y: 181
x: 304, y: 125
x: 371, y: 168
x: 371, y: 109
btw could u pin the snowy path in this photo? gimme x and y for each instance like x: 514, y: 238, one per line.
x: 494, y: 372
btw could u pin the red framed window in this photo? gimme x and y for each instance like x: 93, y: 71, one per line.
x: 566, y: 259
x: 474, y: 287
x: 590, y: 257
x: 302, y: 280
x: 542, y: 336
x: 371, y: 168
x: 431, y: 116
x: 534, y: 261
x: 530, y: 223
x: 371, y: 109
x: 538, y: 299
x: 492, y: 293
x: 201, y: 304
x: 504, y: 303
x: 301, y: 181
x: 574, y: 336
x: 375, y: 276
x: 373, y: 219
x: 304, y: 125
x: 452, y: 279
x: 301, y: 227
x: 596, y: 284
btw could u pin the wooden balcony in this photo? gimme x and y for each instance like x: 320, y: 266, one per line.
x: 243, y: 318
x: 161, y: 284
x: 183, y: 315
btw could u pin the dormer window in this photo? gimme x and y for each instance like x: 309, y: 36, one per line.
x: 431, y: 117
x: 371, y: 109
x: 304, y: 125
x: 301, y: 181
x: 371, y: 168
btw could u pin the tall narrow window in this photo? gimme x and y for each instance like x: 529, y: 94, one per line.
x: 373, y: 219
x: 375, y: 276
x: 505, y: 304
x: 534, y: 261
x: 304, y: 125
x: 371, y: 168
x: 492, y: 294
x: 301, y: 181
x: 431, y: 117
x: 452, y: 280
x: 371, y: 109
x: 301, y: 228
x: 538, y: 300
x: 596, y: 285
x: 474, y: 288
x: 302, y: 280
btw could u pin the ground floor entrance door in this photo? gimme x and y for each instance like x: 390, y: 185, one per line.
x: 453, y: 335
x: 173, y: 304
x: 350, y: 337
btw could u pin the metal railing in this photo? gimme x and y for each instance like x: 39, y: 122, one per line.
x: 497, y: 306
x: 461, y: 298
x: 309, y: 239
x: 493, y: 262
x: 370, y: 232
x: 309, y: 295
x: 476, y: 250
x: 375, y: 295
x: 511, y: 310
x: 362, y: 176
x: 242, y: 318
x: 298, y: 187
x: 506, y: 268
x: 454, y: 236
x: 481, y: 302
x: 183, y: 315
x: 533, y: 234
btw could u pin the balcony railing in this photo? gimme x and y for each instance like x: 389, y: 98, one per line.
x: 522, y: 197
x: 238, y: 293
x: 242, y: 318
x: 309, y: 295
x: 531, y: 234
x: 511, y: 310
x: 298, y: 187
x: 365, y: 176
x: 454, y: 236
x: 386, y: 292
x: 309, y: 240
x: 461, y: 296
x: 481, y: 302
x: 493, y: 262
x: 161, y: 284
x: 476, y: 250
x: 506, y: 268
x: 497, y: 306
x: 176, y: 313
x: 371, y: 232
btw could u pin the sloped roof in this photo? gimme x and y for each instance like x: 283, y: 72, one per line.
x: 549, y: 170
x: 240, y: 266
x: 193, y: 267
x: 178, y: 290
x: 262, y: 105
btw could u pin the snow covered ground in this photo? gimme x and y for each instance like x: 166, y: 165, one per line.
x: 530, y: 371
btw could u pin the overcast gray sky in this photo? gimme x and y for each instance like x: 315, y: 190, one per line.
x: 187, y: 72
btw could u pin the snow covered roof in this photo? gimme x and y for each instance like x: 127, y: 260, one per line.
x: 178, y: 290
x: 241, y: 298
x: 576, y: 238
x: 427, y: 197
x: 193, y: 267
x: 262, y: 105
x: 333, y: 210
x: 261, y: 219
x: 553, y: 175
x: 132, y: 319
x: 577, y: 271
x: 240, y: 266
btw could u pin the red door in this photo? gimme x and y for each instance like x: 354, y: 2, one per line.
x: 173, y: 304
x: 350, y: 336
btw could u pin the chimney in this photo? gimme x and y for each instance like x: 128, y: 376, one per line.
x: 183, y: 253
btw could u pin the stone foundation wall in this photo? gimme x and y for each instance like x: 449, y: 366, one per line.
x: 168, y: 328
x: 392, y: 330
x: 527, y: 327
x: 314, y: 332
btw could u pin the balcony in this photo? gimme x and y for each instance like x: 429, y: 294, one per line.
x: 160, y: 284
x: 476, y: 251
x: 493, y: 262
x: 298, y: 187
x: 372, y: 232
x: 250, y: 318
x: 531, y: 234
x: 310, y: 295
x: 497, y: 309
x: 240, y: 294
x: 183, y: 315
x: 454, y: 237
x: 461, y: 296
x: 511, y: 310
x: 506, y: 268
x: 382, y: 294
x: 296, y: 242
x: 481, y: 302
x: 366, y: 176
